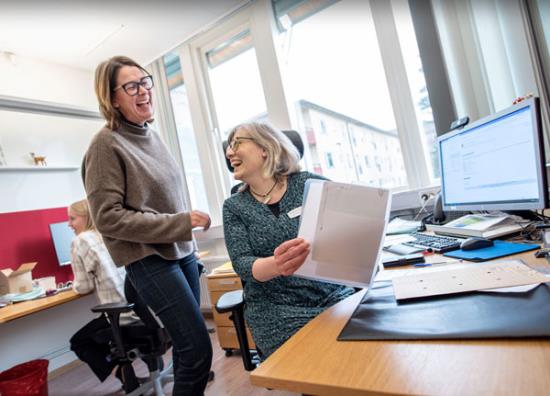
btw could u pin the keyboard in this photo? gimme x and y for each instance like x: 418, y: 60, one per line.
x: 438, y: 244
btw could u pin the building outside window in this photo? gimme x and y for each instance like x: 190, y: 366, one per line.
x: 332, y: 61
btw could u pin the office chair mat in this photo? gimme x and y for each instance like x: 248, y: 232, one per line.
x: 459, y: 316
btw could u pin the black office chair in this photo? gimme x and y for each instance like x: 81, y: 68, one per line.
x: 144, y: 339
x: 233, y: 302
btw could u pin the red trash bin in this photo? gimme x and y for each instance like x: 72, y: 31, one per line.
x: 25, y: 379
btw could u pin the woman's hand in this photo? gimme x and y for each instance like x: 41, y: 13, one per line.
x: 200, y: 219
x: 290, y: 255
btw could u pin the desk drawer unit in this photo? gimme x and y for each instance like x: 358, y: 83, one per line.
x: 218, y: 285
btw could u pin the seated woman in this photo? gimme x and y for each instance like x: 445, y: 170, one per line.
x: 94, y: 270
x: 261, y: 237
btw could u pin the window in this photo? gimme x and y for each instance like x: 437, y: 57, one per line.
x: 235, y: 82
x: 335, y: 73
x: 186, y: 136
x: 330, y: 162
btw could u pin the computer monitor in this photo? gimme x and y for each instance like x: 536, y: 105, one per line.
x: 496, y: 163
x: 62, y: 237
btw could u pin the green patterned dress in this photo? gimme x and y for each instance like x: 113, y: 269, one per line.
x: 278, y: 308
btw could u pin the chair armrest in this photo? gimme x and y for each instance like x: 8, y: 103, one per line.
x: 230, y: 301
x: 113, y: 308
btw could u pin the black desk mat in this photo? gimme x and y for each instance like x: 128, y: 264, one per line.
x: 459, y: 316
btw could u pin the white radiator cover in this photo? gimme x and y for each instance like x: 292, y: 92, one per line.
x: 210, y: 262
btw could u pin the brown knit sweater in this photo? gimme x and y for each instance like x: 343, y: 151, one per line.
x: 134, y: 189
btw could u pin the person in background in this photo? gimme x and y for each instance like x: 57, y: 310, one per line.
x: 94, y: 271
x: 261, y: 236
x: 134, y: 188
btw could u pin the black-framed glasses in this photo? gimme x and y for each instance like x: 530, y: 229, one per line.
x: 235, y: 143
x: 132, y: 87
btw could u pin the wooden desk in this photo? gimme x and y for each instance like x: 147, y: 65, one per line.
x: 313, y: 362
x: 21, y: 309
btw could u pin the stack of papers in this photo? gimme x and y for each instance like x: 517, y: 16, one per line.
x: 400, y: 226
x: 225, y: 268
x: 36, y: 292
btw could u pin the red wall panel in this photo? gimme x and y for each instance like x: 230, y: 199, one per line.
x: 25, y: 237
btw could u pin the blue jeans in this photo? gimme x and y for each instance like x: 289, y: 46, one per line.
x: 171, y: 289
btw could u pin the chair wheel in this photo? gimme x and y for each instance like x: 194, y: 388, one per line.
x: 228, y: 352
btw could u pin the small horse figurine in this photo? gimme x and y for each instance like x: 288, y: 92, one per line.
x: 38, y: 159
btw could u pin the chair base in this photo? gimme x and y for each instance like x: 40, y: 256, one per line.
x: 156, y: 381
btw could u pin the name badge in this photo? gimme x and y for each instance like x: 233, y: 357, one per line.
x: 295, y: 212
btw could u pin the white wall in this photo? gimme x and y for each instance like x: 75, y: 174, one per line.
x: 63, y: 140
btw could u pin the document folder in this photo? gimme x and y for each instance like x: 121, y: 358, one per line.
x: 459, y: 316
x: 499, y: 249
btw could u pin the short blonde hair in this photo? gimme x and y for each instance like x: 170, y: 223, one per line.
x: 106, y: 75
x: 282, y: 157
x: 81, y: 208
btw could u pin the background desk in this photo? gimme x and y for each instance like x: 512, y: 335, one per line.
x: 42, y: 328
x: 25, y: 308
x: 313, y: 362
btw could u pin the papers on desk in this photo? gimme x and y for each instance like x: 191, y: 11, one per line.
x: 485, y: 226
x: 400, y: 226
x: 36, y: 292
x: 481, y: 276
x: 345, y: 225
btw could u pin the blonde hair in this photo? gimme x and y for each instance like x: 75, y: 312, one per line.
x: 81, y: 208
x: 106, y: 75
x: 282, y: 157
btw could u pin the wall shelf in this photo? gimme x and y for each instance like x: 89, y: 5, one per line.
x: 37, y: 168
x: 13, y: 103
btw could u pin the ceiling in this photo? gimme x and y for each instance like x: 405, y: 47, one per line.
x: 82, y: 33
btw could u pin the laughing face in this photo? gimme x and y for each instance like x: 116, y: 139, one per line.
x: 137, y: 108
x: 247, y: 158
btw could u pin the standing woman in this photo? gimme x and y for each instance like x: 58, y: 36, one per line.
x: 134, y: 189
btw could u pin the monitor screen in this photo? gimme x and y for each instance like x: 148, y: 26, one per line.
x: 496, y: 163
x: 62, y: 236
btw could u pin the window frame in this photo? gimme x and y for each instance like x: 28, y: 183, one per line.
x: 259, y: 18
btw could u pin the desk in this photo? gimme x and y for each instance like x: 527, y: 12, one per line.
x: 41, y: 329
x: 313, y: 362
x: 20, y: 309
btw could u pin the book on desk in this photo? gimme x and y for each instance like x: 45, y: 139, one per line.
x: 482, y: 226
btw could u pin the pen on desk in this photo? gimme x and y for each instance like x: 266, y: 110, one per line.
x: 421, y: 265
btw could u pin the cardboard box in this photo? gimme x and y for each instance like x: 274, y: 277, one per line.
x: 18, y: 281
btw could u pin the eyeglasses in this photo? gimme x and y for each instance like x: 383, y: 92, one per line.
x: 235, y: 143
x: 132, y: 87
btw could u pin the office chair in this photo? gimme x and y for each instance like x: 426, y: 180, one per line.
x: 144, y: 339
x: 233, y: 301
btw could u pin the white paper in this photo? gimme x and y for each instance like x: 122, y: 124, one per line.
x: 345, y: 225
x: 488, y: 275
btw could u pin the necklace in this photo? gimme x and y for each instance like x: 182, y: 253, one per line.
x: 265, y: 196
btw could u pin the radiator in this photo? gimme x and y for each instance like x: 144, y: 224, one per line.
x: 210, y: 263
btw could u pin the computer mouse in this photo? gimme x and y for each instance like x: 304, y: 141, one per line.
x: 476, y: 243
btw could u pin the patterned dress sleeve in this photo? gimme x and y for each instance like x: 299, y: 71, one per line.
x: 237, y: 243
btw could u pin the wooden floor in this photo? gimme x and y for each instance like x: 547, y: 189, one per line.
x: 230, y: 379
